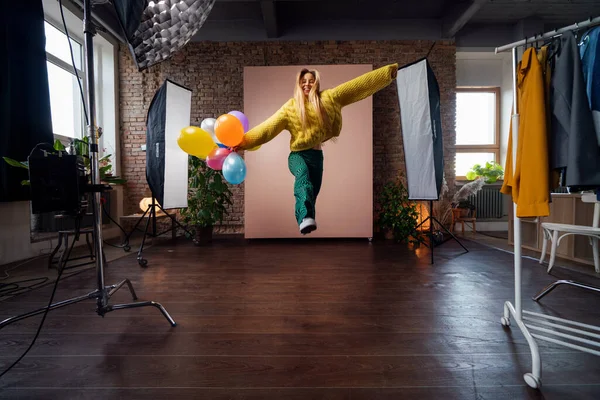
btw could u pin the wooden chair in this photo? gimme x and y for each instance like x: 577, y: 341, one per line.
x: 457, y: 218
x: 552, y: 230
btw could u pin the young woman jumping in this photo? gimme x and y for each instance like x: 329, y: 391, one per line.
x: 313, y: 117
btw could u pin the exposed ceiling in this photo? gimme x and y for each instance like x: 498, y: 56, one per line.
x: 494, y: 21
x: 472, y: 23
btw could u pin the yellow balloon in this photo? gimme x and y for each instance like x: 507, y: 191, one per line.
x: 196, y: 142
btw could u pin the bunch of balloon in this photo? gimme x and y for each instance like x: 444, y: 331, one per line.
x: 214, y: 141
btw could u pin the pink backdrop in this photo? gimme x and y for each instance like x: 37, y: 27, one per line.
x: 345, y: 204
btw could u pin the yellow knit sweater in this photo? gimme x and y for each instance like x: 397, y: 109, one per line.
x: 287, y: 118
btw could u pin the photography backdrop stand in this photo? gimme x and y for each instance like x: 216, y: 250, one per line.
x: 431, y: 218
x: 102, y: 293
x: 151, y: 211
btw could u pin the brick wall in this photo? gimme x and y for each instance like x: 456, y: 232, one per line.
x: 214, y: 72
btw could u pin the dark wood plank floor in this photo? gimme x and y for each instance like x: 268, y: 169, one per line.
x: 299, y: 320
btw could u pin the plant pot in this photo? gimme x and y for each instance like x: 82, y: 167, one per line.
x: 203, y: 235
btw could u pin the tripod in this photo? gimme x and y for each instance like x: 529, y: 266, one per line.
x: 151, y: 211
x: 102, y: 293
x: 431, y: 218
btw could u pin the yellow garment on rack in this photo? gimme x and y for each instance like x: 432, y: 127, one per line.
x: 528, y: 183
x: 333, y: 100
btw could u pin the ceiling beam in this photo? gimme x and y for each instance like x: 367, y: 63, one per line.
x: 455, y: 20
x: 270, y: 18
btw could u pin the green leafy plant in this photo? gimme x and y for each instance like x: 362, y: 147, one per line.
x: 208, y: 198
x: 81, y: 147
x: 397, y: 214
x: 491, y: 172
x: 18, y: 164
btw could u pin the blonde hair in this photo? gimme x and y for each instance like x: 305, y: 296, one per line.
x: 314, y: 97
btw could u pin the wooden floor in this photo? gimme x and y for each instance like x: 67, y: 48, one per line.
x: 299, y: 320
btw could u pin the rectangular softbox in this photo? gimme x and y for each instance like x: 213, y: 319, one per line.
x: 419, y: 98
x: 166, y: 163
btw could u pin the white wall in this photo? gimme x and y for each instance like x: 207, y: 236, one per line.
x: 475, y: 68
x: 15, y: 242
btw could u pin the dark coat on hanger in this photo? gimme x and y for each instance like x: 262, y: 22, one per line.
x: 573, y: 141
x: 590, y: 59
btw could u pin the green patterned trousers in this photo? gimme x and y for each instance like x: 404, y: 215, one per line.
x: 307, y: 168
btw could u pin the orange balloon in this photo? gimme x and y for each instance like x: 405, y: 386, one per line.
x: 229, y: 130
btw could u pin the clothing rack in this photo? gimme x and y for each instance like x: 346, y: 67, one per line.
x: 545, y: 326
x: 548, y: 35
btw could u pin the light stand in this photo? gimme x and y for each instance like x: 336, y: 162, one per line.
x: 103, y: 293
x: 431, y: 218
x: 151, y: 211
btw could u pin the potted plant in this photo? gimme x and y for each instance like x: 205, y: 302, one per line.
x: 490, y: 173
x: 81, y: 147
x: 397, y: 215
x: 208, y: 198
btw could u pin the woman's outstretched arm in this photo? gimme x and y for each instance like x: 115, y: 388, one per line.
x: 266, y: 130
x: 365, y: 85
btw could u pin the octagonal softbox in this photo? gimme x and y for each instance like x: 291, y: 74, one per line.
x: 166, y: 163
x: 156, y: 29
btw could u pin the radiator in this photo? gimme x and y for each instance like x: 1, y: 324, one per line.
x: 489, y: 203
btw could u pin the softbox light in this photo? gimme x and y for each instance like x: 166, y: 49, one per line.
x: 166, y: 163
x: 419, y: 98
x: 156, y: 29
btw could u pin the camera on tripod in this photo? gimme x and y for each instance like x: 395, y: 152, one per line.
x: 59, y: 182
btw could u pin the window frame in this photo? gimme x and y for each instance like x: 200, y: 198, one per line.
x: 68, y: 67
x: 482, y: 148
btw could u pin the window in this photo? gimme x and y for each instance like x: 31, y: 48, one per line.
x: 477, y: 128
x: 65, y: 98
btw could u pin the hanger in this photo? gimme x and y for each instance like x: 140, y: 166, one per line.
x: 537, y: 39
x: 585, y: 37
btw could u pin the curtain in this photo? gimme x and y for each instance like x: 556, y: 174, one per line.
x: 25, y: 118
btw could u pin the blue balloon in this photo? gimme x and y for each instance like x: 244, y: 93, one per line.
x: 221, y: 145
x: 234, y: 169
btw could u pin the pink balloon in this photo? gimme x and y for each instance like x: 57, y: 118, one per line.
x: 216, y: 158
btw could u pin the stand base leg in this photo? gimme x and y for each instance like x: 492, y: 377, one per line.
x: 96, y: 294
x: 60, y: 304
x: 431, y: 241
x: 533, y: 378
x: 151, y: 212
x: 142, y: 304
x: 451, y: 234
x: 553, y: 286
x: 141, y: 260
x: 116, y: 287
